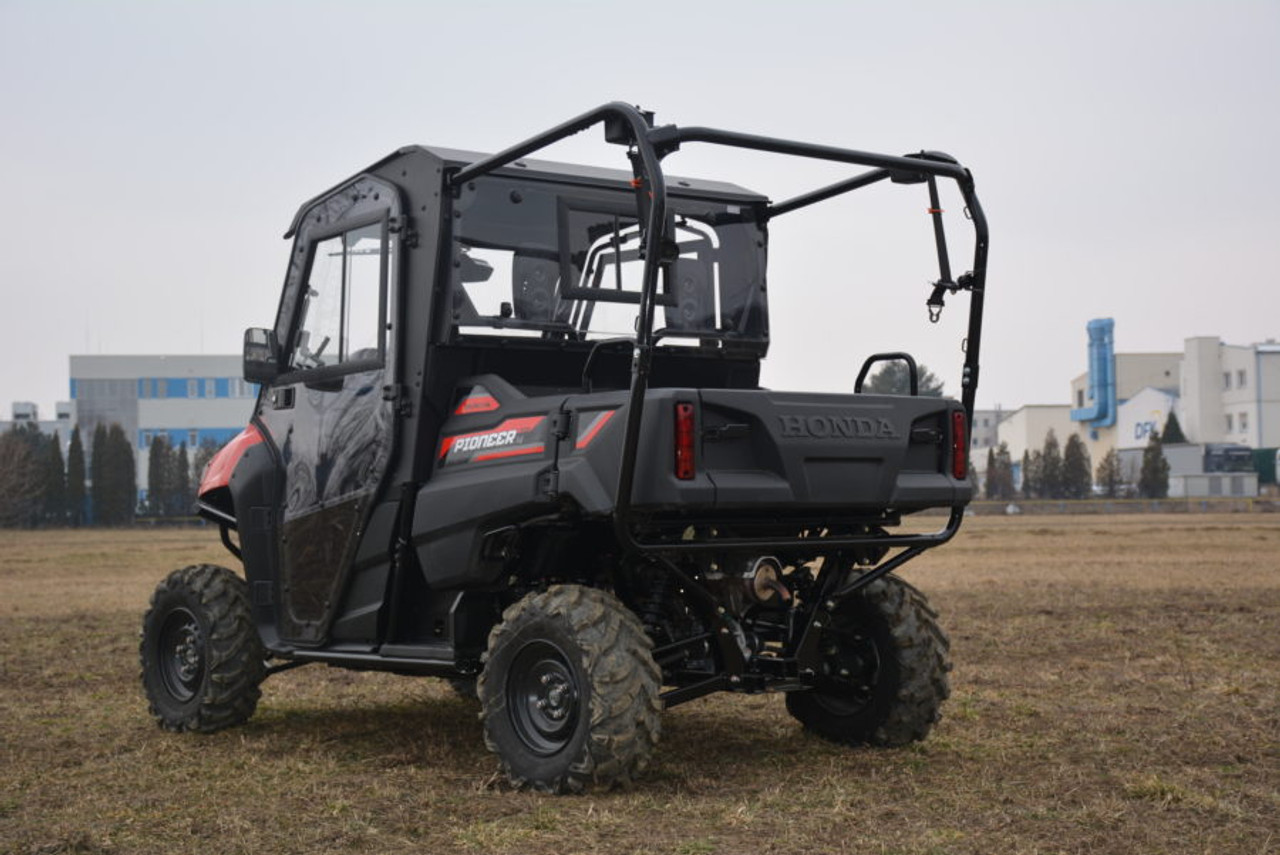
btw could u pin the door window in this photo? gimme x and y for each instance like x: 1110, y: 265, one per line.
x: 340, y: 320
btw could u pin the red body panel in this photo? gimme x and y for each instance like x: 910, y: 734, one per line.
x: 218, y: 472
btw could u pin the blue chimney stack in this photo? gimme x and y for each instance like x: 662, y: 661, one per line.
x: 1102, y: 376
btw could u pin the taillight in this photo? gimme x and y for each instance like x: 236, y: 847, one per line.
x: 684, y: 442
x: 959, y: 445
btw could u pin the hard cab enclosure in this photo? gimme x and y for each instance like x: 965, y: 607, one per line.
x: 494, y: 381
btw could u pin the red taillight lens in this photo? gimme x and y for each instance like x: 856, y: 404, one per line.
x: 684, y: 442
x: 959, y: 446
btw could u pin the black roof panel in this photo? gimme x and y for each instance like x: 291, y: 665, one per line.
x: 550, y: 171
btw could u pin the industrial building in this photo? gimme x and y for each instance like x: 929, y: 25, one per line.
x: 1223, y: 395
x: 187, y: 399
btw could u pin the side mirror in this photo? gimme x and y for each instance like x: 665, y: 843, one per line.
x: 261, y: 356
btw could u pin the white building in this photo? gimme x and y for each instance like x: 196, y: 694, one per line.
x: 1141, y: 415
x: 983, y: 436
x: 1231, y: 393
x: 27, y: 413
x: 1026, y: 428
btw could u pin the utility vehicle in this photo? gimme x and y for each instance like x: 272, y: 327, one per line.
x: 510, y: 432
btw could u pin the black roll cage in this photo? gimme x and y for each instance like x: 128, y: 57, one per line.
x: 648, y: 145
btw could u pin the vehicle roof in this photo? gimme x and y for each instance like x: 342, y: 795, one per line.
x: 551, y: 171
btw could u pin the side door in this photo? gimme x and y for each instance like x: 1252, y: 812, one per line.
x: 327, y: 414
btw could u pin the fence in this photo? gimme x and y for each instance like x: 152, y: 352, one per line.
x: 1194, y: 505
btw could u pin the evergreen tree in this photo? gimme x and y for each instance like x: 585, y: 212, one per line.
x: 1003, y: 485
x: 204, y: 452
x: 124, y: 477
x: 1030, y: 474
x: 1051, y: 482
x: 993, y: 477
x: 1077, y: 469
x: 75, y: 480
x: 115, y: 487
x: 1173, y: 430
x: 894, y: 378
x: 1109, y: 476
x: 159, y: 481
x: 1153, y: 481
x: 99, y: 456
x: 182, y: 496
x: 55, y: 483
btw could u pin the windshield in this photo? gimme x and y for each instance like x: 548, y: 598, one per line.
x: 532, y: 258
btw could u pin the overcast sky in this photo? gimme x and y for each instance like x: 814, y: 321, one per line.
x: 152, y: 155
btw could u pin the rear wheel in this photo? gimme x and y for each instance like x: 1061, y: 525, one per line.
x: 569, y: 691
x: 884, y: 669
x: 202, y: 660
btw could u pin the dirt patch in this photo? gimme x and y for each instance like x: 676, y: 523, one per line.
x: 1117, y: 690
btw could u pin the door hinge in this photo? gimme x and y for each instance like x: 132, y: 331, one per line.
x: 560, y: 425
x: 551, y: 482
x: 394, y: 393
x: 403, y: 226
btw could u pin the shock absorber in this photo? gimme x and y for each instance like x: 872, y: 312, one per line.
x: 652, y: 605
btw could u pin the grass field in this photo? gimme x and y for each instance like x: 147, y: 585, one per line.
x: 1116, y: 690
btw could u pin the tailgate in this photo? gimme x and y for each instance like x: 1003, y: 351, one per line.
x: 779, y: 449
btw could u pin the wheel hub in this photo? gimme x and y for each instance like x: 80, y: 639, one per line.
x: 543, y: 697
x: 850, y: 669
x: 187, y: 653
x: 181, y: 648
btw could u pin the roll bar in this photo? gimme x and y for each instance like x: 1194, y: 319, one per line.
x: 648, y: 145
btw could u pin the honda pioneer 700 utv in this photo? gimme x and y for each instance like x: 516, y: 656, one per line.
x: 510, y: 432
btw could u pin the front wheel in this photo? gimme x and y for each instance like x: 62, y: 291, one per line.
x: 884, y: 669
x: 569, y: 691
x: 202, y: 660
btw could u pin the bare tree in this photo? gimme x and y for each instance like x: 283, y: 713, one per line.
x: 21, y: 481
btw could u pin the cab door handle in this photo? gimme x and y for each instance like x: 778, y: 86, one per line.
x: 282, y: 399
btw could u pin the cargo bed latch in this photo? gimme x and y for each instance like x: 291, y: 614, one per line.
x: 722, y: 432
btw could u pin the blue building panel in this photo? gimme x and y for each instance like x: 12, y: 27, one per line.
x: 192, y: 437
x: 222, y: 387
x: 175, y: 387
x: 73, y: 388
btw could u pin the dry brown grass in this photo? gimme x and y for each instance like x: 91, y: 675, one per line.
x: 1117, y: 690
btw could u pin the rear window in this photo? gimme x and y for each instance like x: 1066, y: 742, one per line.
x: 544, y: 260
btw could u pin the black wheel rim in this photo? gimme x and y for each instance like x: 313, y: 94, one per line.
x: 851, y: 669
x: 181, y: 654
x: 543, y: 697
